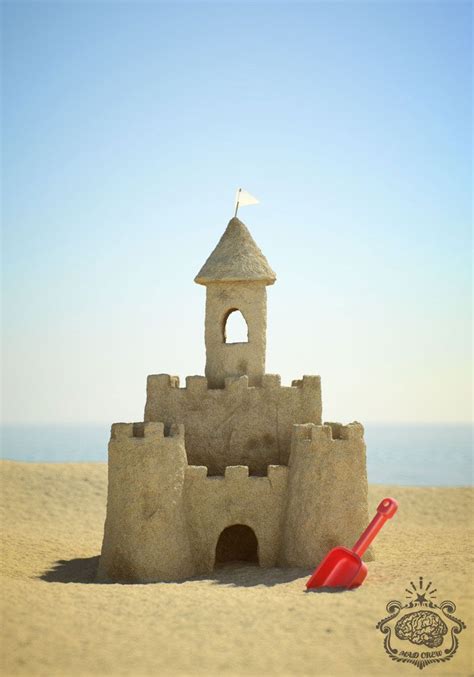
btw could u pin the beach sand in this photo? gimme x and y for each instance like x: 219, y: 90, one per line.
x: 238, y: 621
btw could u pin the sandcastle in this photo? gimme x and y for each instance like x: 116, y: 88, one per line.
x: 234, y: 466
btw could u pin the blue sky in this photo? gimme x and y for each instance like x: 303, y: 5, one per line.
x: 127, y: 128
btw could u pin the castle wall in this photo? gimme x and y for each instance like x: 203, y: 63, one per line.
x: 164, y: 517
x: 238, y: 424
x: 214, y: 503
x: 145, y: 537
x: 235, y: 359
x: 327, y: 492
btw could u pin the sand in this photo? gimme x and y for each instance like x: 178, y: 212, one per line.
x: 239, y: 621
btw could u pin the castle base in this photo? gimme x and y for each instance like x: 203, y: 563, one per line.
x: 168, y: 520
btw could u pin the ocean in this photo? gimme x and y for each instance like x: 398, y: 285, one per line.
x: 405, y: 453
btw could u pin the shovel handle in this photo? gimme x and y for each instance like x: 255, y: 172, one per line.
x: 386, y: 509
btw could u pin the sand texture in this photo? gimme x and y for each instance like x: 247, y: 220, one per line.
x: 237, y: 621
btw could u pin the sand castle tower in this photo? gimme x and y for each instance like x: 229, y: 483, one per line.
x: 235, y: 275
x: 233, y: 466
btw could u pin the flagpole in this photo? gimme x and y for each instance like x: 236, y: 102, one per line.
x: 237, y: 205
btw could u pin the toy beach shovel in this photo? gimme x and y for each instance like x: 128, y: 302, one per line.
x: 343, y: 568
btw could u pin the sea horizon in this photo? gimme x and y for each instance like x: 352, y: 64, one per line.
x: 403, y: 453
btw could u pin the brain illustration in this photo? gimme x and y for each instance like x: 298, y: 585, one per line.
x: 422, y: 627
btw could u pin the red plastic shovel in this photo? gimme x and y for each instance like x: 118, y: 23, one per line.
x: 343, y: 568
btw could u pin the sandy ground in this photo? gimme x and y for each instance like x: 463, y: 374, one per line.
x: 239, y: 621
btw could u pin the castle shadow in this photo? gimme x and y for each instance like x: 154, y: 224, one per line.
x: 79, y: 570
x: 320, y: 591
x: 242, y: 574
x: 237, y: 574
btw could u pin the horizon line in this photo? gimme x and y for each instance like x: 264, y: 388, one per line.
x: 367, y: 421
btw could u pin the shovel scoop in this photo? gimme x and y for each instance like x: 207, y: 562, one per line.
x: 343, y: 568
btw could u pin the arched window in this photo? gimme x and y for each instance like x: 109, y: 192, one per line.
x: 235, y: 329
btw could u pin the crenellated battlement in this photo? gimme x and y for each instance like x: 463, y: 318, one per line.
x: 164, y: 382
x: 351, y: 431
x: 328, y: 432
x: 147, y: 429
x: 236, y: 473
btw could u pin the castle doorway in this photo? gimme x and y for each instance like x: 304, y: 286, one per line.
x: 237, y: 543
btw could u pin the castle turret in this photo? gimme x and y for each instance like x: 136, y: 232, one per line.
x: 327, y: 492
x: 235, y: 276
x: 145, y: 536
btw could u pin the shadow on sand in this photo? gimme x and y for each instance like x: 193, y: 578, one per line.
x: 319, y: 591
x: 241, y: 574
x: 236, y: 574
x: 81, y: 570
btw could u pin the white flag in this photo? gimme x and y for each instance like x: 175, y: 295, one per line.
x: 243, y: 198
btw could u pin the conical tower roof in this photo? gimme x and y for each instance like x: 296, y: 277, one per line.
x: 236, y: 258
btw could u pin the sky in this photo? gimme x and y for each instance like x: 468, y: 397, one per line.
x: 128, y: 126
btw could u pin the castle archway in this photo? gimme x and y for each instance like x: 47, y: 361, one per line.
x: 237, y: 543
